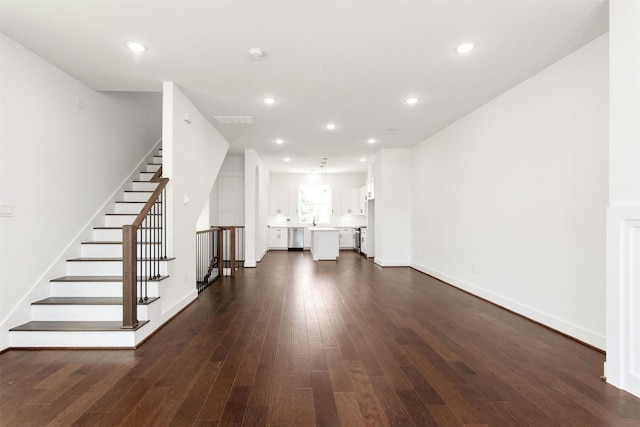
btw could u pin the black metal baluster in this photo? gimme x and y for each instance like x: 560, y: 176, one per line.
x: 146, y: 256
x: 164, y: 223
x: 156, y: 266
x: 139, y: 252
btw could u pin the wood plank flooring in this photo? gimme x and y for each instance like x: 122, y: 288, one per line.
x: 297, y: 342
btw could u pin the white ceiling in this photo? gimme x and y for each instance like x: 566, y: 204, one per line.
x: 351, y: 62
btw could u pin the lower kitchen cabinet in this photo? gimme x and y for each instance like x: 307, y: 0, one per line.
x: 345, y: 238
x: 278, y: 238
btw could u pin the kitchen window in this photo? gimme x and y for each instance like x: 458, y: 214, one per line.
x: 314, y: 203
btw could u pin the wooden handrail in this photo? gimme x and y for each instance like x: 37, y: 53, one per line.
x: 157, y: 175
x: 162, y: 183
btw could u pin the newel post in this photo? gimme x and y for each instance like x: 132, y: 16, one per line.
x: 129, y: 277
x: 220, y: 232
x: 232, y: 250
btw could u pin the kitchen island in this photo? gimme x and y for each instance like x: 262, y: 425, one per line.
x: 324, y: 243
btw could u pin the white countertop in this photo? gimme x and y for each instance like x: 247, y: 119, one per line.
x: 322, y: 229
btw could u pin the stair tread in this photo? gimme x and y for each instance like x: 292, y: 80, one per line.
x: 112, y: 259
x: 113, y: 242
x: 120, y: 228
x: 75, y: 326
x: 138, y: 191
x: 127, y: 201
x: 128, y: 214
x: 98, y: 279
x: 87, y: 301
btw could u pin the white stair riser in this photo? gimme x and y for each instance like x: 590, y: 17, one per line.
x: 82, y: 313
x: 96, y: 289
x: 143, y: 186
x: 157, y: 159
x: 129, y: 208
x: 101, y: 268
x: 151, y: 168
x: 145, y: 176
x: 136, y: 197
x: 115, y: 235
x: 115, y: 251
x: 82, y: 339
x: 120, y: 220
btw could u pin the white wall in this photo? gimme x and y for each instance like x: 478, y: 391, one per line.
x: 64, y: 150
x: 230, y: 198
x: 623, y: 215
x: 393, y: 195
x: 192, y: 156
x: 226, y: 201
x: 510, y: 201
x: 256, y: 202
x: 334, y: 180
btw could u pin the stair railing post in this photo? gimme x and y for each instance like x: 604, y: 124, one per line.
x: 220, y: 252
x: 232, y: 250
x: 129, y: 277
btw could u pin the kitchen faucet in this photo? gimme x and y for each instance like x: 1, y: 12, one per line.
x: 314, y: 220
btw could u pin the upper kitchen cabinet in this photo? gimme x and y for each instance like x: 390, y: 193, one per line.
x: 346, y: 201
x: 362, y: 200
x: 371, y: 190
x: 283, y: 201
x: 278, y: 201
x: 349, y: 201
x: 293, y: 201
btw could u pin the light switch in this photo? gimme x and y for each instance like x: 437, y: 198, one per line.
x: 186, y: 200
x: 6, y: 210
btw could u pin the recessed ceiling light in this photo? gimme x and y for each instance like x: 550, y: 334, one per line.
x: 136, y: 47
x: 411, y: 100
x: 331, y: 126
x: 256, y: 53
x: 268, y: 100
x: 371, y: 141
x: 362, y: 159
x: 465, y: 47
x: 286, y: 159
x: 279, y: 141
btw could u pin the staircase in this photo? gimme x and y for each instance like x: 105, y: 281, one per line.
x: 85, y: 306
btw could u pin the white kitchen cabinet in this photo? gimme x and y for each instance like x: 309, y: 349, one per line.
x: 345, y: 201
x: 346, y: 238
x: 278, y: 237
x: 349, y: 198
x: 362, y: 200
x: 293, y: 201
x: 283, y: 201
x: 363, y: 241
x: 336, y: 201
x: 278, y: 201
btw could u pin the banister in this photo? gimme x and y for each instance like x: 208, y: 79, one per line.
x: 150, y: 251
x: 162, y: 183
x: 219, y: 252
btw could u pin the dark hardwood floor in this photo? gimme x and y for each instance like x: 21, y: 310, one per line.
x: 297, y: 342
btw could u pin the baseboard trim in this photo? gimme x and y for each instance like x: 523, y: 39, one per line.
x: 569, y: 330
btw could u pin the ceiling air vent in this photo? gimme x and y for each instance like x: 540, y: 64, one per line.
x: 234, y: 120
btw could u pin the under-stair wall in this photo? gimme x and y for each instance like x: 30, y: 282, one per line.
x: 65, y: 149
x: 193, y: 153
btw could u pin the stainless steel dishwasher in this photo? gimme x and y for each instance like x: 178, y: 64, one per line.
x: 295, y: 239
